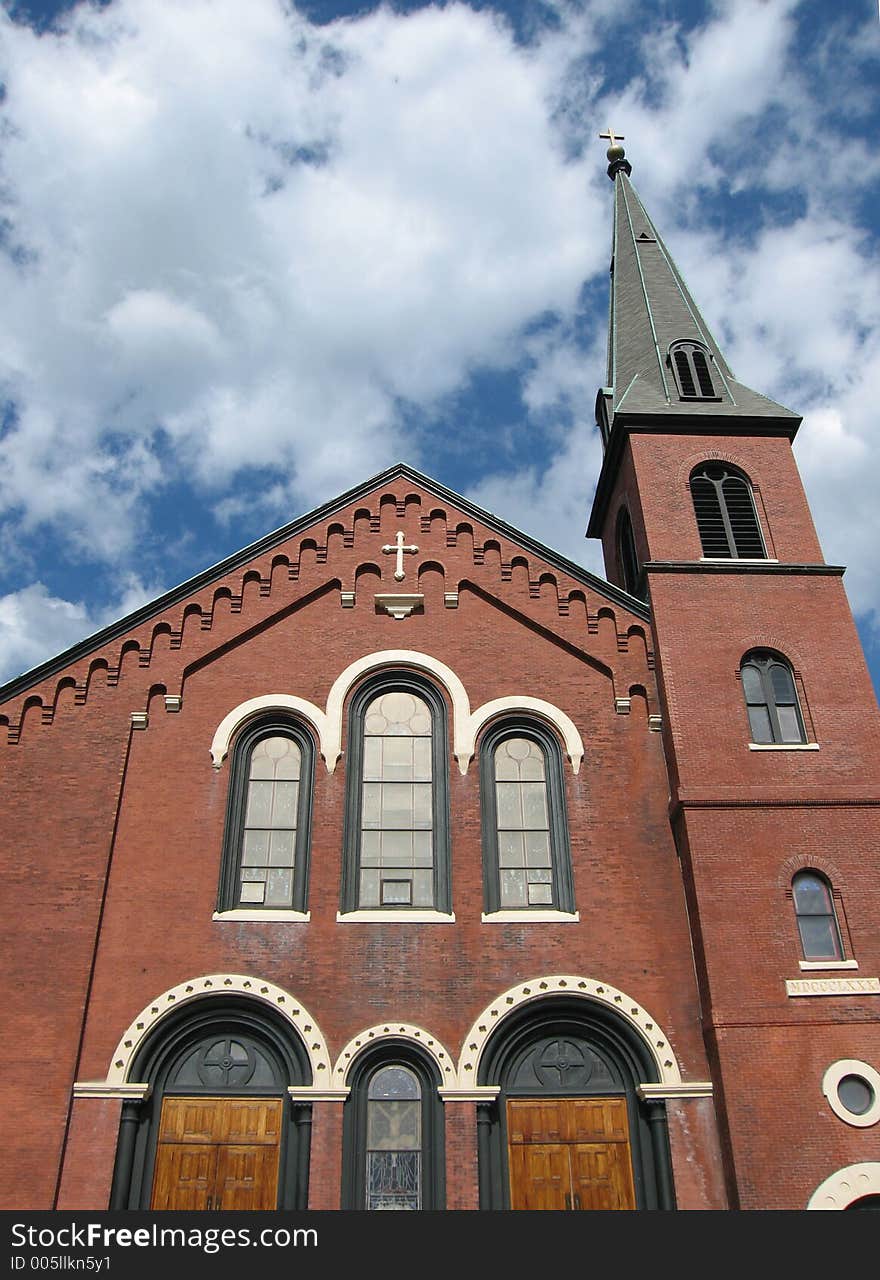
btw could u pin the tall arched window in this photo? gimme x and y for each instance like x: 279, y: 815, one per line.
x: 630, y: 570
x: 771, y: 699
x: 393, y: 1133
x: 526, y: 856
x: 816, y: 917
x: 691, y: 364
x: 397, y: 841
x: 266, y: 843
x: 726, y: 514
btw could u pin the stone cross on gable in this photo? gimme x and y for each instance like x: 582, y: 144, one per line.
x: 399, y: 549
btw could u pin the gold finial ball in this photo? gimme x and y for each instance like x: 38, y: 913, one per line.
x: 615, y: 153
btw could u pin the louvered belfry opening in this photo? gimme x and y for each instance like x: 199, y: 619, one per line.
x: 692, y: 372
x: 686, y: 383
x: 726, y: 515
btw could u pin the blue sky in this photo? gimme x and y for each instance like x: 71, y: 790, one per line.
x: 254, y: 253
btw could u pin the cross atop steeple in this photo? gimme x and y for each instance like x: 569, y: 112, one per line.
x: 613, y: 138
x: 617, y: 161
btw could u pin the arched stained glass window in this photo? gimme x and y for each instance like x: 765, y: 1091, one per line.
x: 393, y: 1131
x: 816, y: 917
x: 726, y: 515
x: 771, y: 699
x: 394, y: 1140
x: 397, y: 823
x: 527, y: 863
x: 265, y: 864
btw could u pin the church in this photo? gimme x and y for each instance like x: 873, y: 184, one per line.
x: 398, y: 862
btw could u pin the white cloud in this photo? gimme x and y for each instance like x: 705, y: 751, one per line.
x: 186, y: 273
x: 252, y: 240
x: 34, y: 624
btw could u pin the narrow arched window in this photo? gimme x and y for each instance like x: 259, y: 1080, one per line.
x: 726, y: 514
x: 394, y: 1140
x: 526, y: 856
x: 691, y: 364
x: 816, y: 917
x: 266, y: 842
x: 630, y: 571
x: 393, y: 1121
x: 397, y: 855
x: 771, y: 699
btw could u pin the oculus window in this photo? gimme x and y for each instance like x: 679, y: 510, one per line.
x: 266, y: 844
x: 526, y: 855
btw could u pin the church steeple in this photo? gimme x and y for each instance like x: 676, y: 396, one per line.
x: 664, y: 365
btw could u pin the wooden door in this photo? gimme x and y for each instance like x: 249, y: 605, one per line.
x: 569, y: 1153
x: 218, y: 1153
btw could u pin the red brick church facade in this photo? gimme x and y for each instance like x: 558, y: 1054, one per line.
x: 399, y: 862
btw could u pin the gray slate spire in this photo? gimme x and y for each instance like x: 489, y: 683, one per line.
x: 651, y: 307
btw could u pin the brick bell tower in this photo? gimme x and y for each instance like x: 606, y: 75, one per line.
x: 771, y: 733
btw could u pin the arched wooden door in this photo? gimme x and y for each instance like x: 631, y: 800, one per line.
x: 218, y: 1130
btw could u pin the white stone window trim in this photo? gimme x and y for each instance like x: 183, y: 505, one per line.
x: 244, y: 914
x: 530, y: 915
x: 382, y: 1031
x: 738, y: 560
x: 210, y: 986
x: 466, y: 725
x: 832, y: 1078
x: 847, y: 1185
x: 828, y: 964
x: 245, y: 711
x: 783, y: 746
x: 536, y: 989
x: 408, y: 915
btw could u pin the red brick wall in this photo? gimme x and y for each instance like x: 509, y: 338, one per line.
x: 520, y: 628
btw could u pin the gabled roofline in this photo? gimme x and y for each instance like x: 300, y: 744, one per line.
x: 400, y: 469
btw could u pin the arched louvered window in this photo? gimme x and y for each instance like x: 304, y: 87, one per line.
x: 266, y: 843
x: 816, y: 917
x: 397, y: 834
x: 630, y: 571
x: 771, y: 699
x: 693, y: 372
x: 726, y: 515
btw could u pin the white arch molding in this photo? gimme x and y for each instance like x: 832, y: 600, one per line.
x: 846, y: 1185
x: 393, y: 1031
x: 466, y: 725
x: 537, y: 989
x: 211, y: 986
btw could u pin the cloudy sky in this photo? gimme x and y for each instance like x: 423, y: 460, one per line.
x: 253, y: 253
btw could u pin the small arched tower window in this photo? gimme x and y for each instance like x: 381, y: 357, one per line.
x: 816, y: 917
x: 691, y: 364
x: 771, y: 699
x: 726, y: 514
x: 630, y: 571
